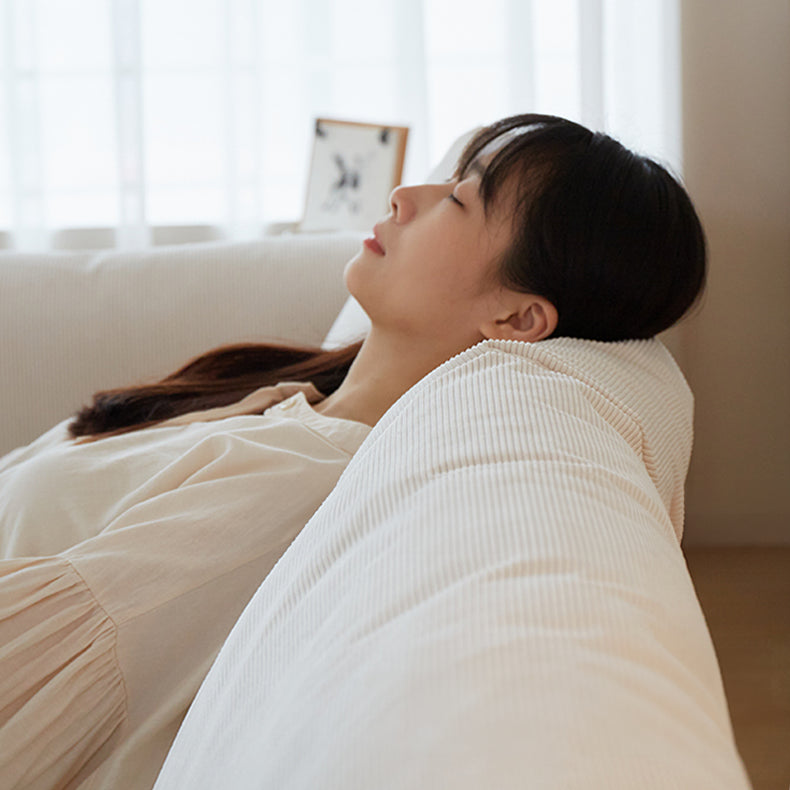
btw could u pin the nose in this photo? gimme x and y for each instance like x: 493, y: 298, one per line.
x: 402, y: 204
x: 407, y: 201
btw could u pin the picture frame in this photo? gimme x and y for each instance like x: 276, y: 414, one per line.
x: 353, y: 169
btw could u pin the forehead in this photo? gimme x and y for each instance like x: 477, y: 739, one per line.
x: 476, y: 167
x: 480, y: 161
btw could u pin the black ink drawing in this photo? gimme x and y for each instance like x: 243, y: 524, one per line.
x: 354, y: 168
x: 345, y: 188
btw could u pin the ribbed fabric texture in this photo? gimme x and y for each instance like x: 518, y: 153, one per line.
x: 493, y: 596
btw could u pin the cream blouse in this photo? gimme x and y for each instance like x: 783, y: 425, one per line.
x: 126, y: 562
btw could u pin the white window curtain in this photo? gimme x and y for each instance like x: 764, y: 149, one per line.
x: 151, y: 121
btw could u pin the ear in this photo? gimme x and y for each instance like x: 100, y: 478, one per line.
x: 529, y: 318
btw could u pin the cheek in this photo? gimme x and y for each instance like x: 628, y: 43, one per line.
x: 446, y: 257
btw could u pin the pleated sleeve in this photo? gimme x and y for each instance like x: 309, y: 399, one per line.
x: 61, y: 690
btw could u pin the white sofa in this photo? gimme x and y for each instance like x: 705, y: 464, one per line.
x: 75, y: 323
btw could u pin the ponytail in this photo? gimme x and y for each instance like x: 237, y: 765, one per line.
x: 218, y: 378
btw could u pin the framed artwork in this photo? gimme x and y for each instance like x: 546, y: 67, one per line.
x: 353, y: 169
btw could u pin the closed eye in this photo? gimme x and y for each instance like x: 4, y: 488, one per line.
x: 452, y: 197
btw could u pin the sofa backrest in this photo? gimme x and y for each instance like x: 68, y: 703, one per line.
x: 75, y: 323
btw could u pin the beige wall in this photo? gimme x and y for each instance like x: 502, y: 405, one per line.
x: 736, y: 350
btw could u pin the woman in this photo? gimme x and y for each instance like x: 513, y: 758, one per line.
x: 546, y: 229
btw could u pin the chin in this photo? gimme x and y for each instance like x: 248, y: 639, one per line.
x: 348, y: 273
x: 351, y: 261
x: 358, y: 273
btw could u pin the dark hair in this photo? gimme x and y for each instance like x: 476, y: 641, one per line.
x: 609, y: 237
x: 217, y: 378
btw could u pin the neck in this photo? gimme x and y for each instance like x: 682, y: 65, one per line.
x: 383, y: 370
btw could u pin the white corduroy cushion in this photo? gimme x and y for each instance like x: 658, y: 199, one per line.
x: 74, y: 323
x: 493, y: 596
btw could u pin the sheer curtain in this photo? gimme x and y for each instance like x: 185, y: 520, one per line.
x: 150, y: 121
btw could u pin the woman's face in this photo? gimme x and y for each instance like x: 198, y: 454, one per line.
x: 429, y: 271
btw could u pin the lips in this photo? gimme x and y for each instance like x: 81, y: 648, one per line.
x: 373, y: 244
